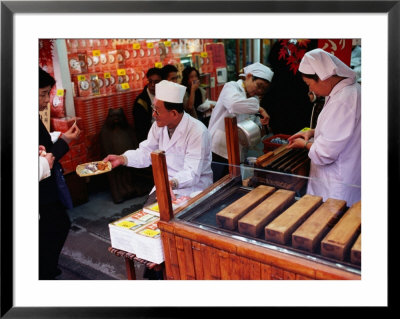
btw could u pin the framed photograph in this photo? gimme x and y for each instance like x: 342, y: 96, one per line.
x: 23, y: 23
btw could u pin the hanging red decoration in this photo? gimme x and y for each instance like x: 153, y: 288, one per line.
x: 46, y: 52
x: 293, y: 51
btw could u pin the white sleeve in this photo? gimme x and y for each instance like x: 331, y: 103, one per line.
x: 54, y: 136
x: 44, y: 168
x: 141, y: 157
x: 236, y: 103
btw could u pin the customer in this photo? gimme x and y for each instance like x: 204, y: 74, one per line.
x: 54, y: 222
x: 240, y: 98
x: 170, y: 73
x: 185, y: 140
x: 195, y: 95
x: 335, y: 152
x: 142, y: 111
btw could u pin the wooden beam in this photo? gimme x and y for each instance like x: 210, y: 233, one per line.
x: 232, y: 144
x: 237, y: 56
x: 161, y: 182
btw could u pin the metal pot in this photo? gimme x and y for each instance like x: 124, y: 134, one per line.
x: 249, y: 133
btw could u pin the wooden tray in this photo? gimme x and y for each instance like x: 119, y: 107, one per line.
x: 81, y: 167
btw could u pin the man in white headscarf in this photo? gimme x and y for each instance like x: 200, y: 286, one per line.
x: 240, y: 98
x: 185, y: 140
x: 335, y: 144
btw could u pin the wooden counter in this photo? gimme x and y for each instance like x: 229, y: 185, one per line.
x: 195, y: 253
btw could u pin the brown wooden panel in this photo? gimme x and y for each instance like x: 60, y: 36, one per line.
x: 338, y: 241
x: 181, y: 257
x: 198, y: 260
x: 173, y: 257
x: 253, y: 222
x: 301, y: 277
x: 255, y: 270
x: 228, y: 217
x: 167, y: 254
x: 206, y: 254
x: 187, y: 248
x: 265, y: 256
x: 277, y: 273
x: 288, y: 275
x: 235, y: 267
x: 265, y: 271
x: 281, y: 228
x: 225, y: 265
x: 308, y: 236
x: 244, y: 268
x: 202, y: 236
x: 214, y: 261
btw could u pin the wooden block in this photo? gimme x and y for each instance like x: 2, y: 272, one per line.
x: 228, y: 217
x: 338, y: 241
x: 281, y: 228
x: 253, y: 222
x: 310, y: 233
x: 355, y: 252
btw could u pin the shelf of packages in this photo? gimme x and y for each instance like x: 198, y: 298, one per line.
x: 94, y: 110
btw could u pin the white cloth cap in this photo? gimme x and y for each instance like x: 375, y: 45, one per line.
x: 258, y: 70
x: 168, y: 91
x: 324, y: 65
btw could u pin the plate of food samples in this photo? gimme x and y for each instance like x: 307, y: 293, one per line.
x: 93, y: 168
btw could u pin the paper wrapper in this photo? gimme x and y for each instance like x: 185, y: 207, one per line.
x: 81, y: 168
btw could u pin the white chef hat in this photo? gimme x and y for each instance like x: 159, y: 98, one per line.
x: 258, y: 70
x: 324, y: 65
x: 168, y: 91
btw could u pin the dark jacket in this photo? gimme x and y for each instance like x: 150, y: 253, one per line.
x: 48, y: 192
x: 142, y: 115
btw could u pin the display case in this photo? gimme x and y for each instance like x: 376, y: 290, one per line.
x: 231, y: 231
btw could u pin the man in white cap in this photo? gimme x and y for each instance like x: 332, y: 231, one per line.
x: 239, y: 98
x: 185, y: 140
x: 335, y: 150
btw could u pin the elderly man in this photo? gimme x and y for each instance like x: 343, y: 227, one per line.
x: 239, y: 98
x: 185, y: 140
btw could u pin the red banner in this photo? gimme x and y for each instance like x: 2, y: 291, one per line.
x: 341, y: 48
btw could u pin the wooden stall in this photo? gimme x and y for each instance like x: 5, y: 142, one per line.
x: 230, y: 231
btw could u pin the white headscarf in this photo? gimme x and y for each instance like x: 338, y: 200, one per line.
x: 258, y: 70
x: 324, y: 65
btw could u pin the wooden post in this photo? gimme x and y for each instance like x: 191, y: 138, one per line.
x: 238, y: 57
x: 244, y: 56
x: 160, y: 173
x: 232, y: 144
x: 130, y: 269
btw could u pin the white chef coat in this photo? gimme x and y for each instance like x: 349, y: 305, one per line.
x: 187, y: 152
x: 336, y: 152
x: 232, y: 101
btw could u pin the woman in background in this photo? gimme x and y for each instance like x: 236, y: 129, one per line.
x: 195, y: 95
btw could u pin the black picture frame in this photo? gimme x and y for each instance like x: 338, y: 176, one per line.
x: 9, y: 8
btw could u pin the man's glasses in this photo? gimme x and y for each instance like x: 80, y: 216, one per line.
x: 154, y: 109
